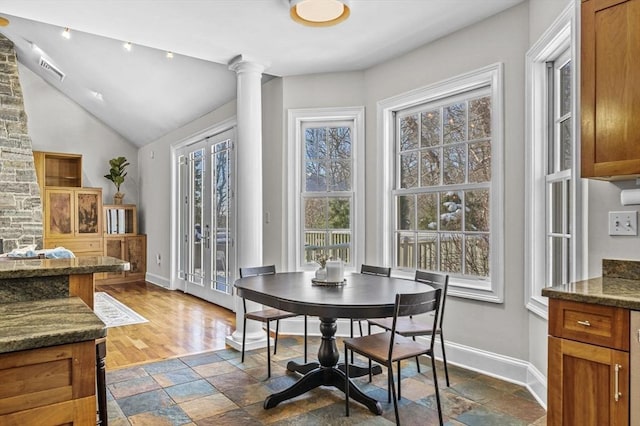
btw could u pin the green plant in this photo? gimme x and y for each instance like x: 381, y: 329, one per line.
x: 117, y: 173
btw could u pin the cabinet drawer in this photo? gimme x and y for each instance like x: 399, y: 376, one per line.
x: 79, y: 246
x: 606, y: 326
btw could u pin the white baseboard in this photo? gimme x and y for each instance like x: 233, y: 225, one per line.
x: 502, y: 367
x: 157, y: 280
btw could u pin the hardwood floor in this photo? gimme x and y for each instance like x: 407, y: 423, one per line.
x: 179, y: 324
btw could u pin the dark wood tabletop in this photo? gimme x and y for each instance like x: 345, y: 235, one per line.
x: 361, y: 296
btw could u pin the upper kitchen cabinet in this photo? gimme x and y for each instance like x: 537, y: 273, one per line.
x: 58, y: 169
x: 610, y: 89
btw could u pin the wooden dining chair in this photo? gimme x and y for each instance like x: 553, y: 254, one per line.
x: 379, y: 271
x: 389, y: 347
x: 409, y: 327
x: 266, y: 315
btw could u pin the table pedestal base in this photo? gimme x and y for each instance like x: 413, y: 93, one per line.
x: 326, y: 372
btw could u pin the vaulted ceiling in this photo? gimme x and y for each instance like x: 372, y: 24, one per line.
x: 142, y: 94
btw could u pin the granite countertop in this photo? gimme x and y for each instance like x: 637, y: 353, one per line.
x: 32, y: 325
x: 620, y: 292
x: 27, y: 268
x: 619, y: 286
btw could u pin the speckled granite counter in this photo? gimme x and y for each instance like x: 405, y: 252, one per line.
x: 620, y: 292
x: 31, y: 325
x: 620, y: 286
x: 36, y: 279
x: 28, y: 268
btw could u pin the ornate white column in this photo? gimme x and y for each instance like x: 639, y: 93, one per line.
x: 248, y: 189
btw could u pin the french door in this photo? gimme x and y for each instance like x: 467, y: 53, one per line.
x: 206, y: 175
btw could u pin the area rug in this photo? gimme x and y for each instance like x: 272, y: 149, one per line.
x: 114, y: 313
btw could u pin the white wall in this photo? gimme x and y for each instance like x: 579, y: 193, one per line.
x: 58, y: 124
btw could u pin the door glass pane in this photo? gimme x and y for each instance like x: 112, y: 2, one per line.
x: 222, y: 198
x: 196, y: 170
x: 480, y: 162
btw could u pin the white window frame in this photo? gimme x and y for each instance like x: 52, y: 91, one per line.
x: 296, y: 118
x: 492, y: 289
x: 559, y: 37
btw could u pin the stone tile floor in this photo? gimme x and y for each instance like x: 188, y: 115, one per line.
x: 215, y: 388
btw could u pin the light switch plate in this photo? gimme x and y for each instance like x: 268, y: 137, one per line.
x: 623, y: 223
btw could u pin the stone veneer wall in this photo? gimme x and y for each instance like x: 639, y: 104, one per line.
x: 20, y: 203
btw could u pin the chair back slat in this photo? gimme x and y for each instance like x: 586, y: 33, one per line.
x: 375, y: 270
x: 257, y: 270
x: 436, y: 281
x: 415, y: 304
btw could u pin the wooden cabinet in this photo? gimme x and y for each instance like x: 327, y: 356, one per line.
x: 122, y: 241
x: 610, y: 93
x: 588, y: 367
x: 73, y: 219
x: 133, y: 249
x: 49, y: 386
x: 58, y: 169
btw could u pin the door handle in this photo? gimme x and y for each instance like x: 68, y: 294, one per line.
x: 207, y: 236
x: 617, y: 394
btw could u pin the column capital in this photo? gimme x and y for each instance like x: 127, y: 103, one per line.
x: 242, y: 63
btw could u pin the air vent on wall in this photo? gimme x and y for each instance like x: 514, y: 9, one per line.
x: 45, y: 64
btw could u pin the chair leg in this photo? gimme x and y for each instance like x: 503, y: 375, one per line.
x: 305, y: 339
x: 389, y: 382
x: 393, y: 390
x: 350, y: 335
x: 360, y: 326
x: 444, y: 359
x: 275, y: 343
x: 346, y: 382
x: 269, y: 352
x: 399, y: 381
x: 417, y: 360
x: 435, y: 382
x: 244, y: 334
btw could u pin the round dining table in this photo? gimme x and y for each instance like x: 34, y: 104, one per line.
x: 359, y: 296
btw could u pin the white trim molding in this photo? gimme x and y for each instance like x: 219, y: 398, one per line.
x: 489, y: 290
x: 559, y: 37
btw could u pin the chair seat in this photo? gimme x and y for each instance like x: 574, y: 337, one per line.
x: 269, y: 315
x: 376, y: 347
x: 405, y: 326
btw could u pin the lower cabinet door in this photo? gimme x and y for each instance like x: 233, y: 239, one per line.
x: 588, y: 385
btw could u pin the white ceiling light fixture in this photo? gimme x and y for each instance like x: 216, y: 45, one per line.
x: 127, y: 46
x: 319, y: 13
x: 66, y: 33
x: 169, y: 55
